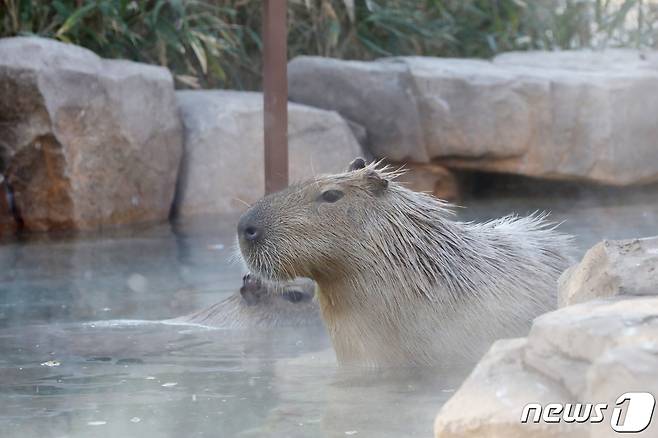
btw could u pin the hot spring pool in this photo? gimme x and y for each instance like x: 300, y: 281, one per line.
x: 68, y: 368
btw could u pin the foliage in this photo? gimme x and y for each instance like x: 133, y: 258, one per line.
x: 594, y: 24
x: 198, y: 40
x: 216, y: 43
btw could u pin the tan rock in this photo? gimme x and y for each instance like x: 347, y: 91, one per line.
x: 490, y: 402
x: 222, y: 171
x: 587, y: 353
x: 566, y: 342
x: 621, y: 370
x: 431, y: 178
x: 517, y: 114
x: 611, y: 268
x: 85, y: 142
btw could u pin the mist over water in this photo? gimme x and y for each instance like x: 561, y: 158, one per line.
x: 590, y: 213
x: 68, y: 368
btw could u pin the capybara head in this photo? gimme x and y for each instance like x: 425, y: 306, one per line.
x: 254, y: 291
x: 315, y: 228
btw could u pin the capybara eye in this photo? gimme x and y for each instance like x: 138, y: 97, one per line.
x: 331, y: 195
x: 294, y: 296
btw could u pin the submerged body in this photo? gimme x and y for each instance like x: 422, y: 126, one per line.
x: 399, y: 281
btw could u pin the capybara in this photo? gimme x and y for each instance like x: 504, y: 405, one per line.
x: 400, y: 281
x: 261, y: 304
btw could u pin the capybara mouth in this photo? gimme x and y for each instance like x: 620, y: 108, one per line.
x: 262, y: 263
x: 271, y: 273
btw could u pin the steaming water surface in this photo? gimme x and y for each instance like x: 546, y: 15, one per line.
x: 69, y: 368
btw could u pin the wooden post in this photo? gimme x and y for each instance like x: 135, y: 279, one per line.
x: 275, y: 94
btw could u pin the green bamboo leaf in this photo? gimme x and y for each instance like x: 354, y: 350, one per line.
x: 155, y: 13
x: 200, y: 54
x: 61, y: 8
x: 374, y: 47
x: 74, y: 19
x: 217, y: 70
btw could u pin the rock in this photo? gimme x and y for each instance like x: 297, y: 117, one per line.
x: 612, y: 268
x: 85, y: 142
x: 431, y: 178
x: 361, y: 136
x: 7, y: 220
x: 515, y: 114
x: 489, y: 403
x: 584, y: 60
x: 222, y: 170
x: 377, y: 95
x: 587, y: 353
x: 618, y: 371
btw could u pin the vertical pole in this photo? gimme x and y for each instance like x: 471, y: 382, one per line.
x: 275, y: 94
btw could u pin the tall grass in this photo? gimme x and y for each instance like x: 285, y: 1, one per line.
x: 216, y: 43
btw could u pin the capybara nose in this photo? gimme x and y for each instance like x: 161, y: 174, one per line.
x: 248, y: 229
x: 251, y: 233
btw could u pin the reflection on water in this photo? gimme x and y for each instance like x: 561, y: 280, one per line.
x: 66, y: 372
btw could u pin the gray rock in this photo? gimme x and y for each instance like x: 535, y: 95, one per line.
x: 612, y: 268
x: 85, y: 142
x: 222, y: 169
x: 587, y: 353
x: 571, y: 116
x: 583, y: 60
x: 377, y: 95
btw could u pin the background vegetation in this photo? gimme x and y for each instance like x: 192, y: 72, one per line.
x: 216, y: 43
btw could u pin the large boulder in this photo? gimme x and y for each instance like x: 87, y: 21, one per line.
x: 612, y: 268
x: 85, y: 142
x: 377, y: 95
x: 489, y: 403
x: 619, y: 60
x: 575, y: 116
x: 222, y: 170
x: 587, y: 353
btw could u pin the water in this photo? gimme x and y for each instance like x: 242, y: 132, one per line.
x: 69, y: 369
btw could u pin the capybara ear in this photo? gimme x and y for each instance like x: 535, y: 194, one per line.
x: 376, y: 182
x: 250, y: 289
x: 249, y: 296
x: 356, y: 164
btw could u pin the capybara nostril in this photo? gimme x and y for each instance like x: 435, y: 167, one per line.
x: 248, y: 229
x: 251, y: 233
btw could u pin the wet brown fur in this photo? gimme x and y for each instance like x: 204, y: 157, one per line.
x: 399, y: 280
